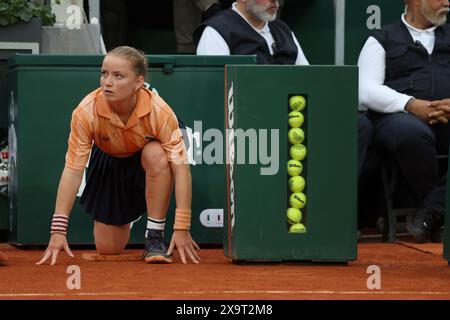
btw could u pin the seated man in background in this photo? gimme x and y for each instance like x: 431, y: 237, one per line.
x: 188, y: 14
x: 404, y: 82
x: 250, y: 27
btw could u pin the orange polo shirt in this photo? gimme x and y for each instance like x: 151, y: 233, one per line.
x: 94, y: 121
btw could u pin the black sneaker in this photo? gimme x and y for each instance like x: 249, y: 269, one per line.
x: 437, y: 235
x: 422, y: 224
x: 156, y: 248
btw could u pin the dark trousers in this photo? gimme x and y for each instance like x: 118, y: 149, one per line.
x: 365, y: 145
x: 413, y: 145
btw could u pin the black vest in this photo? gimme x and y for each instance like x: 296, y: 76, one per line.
x: 242, y: 39
x: 409, y: 67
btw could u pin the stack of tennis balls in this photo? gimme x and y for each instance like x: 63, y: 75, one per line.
x: 297, y: 152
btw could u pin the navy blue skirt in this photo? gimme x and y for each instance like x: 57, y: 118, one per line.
x: 115, y: 188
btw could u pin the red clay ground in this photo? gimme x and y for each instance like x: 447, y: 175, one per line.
x: 407, y: 272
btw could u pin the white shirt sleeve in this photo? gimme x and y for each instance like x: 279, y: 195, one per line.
x: 212, y: 43
x: 373, y: 94
x: 301, y: 59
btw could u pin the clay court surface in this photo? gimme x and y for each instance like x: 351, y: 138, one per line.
x: 408, y: 271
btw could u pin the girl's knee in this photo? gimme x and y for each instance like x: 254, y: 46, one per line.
x: 110, y: 240
x: 154, y: 157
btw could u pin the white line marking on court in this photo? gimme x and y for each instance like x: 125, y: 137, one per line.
x: 318, y: 292
x: 321, y: 292
x: 7, y: 295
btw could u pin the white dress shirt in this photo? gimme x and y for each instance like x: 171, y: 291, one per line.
x: 212, y: 43
x: 373, y: 94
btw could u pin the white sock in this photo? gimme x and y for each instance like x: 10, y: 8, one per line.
x: 155, y: 224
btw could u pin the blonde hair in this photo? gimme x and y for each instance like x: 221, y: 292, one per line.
x: 137, y: 57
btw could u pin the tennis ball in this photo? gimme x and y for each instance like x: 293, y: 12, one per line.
x: 297, y: 228
x: 297, y: 200
x: 298, y: 152
x: 294, y: 215
x: 294, y: 167
x: 296, y: 135
x: 295, y: 119
x: 297, y: 103
x: 297, y: 184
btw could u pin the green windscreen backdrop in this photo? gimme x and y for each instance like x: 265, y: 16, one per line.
x: 361, y: 17
x: 314, y: 24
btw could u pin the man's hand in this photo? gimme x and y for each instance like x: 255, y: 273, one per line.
x: 440, y: 111
x: 182, y: 241
x: 57, y: 242
x: 419, y: 108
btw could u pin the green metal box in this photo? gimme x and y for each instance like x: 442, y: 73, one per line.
x: 43, y: 92
x: 256, y: 114
x: 447, y: 223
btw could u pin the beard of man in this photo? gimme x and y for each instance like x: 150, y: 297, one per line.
x: 436, y: 18
x: 258, y: 11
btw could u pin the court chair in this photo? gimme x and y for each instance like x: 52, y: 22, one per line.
x: 390, y: 178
